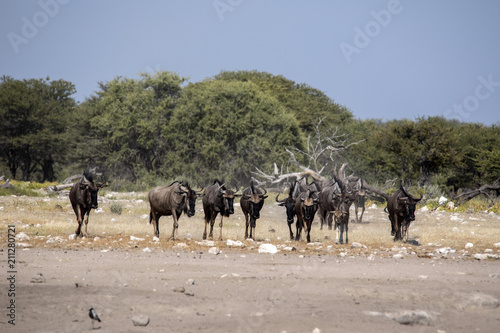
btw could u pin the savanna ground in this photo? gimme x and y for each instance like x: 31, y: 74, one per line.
x: 433, y: 283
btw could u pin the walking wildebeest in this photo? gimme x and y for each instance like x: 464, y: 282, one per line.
x: 401, y: 209
x: 171, y: 200
x: 217, y: 199
x: 251, y: 203
x: 306, y: 205
x: 289, y: 204
x: 83, y: 197
x: 359, y: 196
x: 328, y: 201
x: 342, y: 220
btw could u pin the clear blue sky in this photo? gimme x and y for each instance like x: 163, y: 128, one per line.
x: 381, y: 59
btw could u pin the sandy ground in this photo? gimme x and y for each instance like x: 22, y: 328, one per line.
x: 250, y: 292
x: 320, y: 287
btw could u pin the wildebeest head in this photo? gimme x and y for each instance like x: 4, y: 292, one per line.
x: 228, y: 196
x: 256, y: 199
x: 289, y: 204
x: 309, y: 205
x: 191, y: 196
x: 407, y: 205
x: 342, y: 210
x: 90, y: 190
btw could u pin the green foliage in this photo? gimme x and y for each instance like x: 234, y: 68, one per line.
x: 226, y: 130
x: 306, y: 103
x: 125, y: 124
x: 149, y: 131
x: 34, y: 117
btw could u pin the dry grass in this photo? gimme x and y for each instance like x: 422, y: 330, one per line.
x: 43, y: 218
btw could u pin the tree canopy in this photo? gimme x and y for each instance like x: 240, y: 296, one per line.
x: 156, y: 127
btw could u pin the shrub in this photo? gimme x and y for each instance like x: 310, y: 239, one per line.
x: 116, y: 208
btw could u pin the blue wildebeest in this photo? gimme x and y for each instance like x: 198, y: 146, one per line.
x: 251, y: 203
x: 289, y: 204
x: 217, y: 199
x: 83, y: 198
x: 328, y: 202
x: 341, y: 216
x: 171, y: 200
x: 306, y: 206
x: 401, y: 208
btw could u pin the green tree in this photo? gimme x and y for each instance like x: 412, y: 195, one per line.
x: 226, y: 129
x: 306, y: 103
x: 34, y: 116
x: 124, y: 122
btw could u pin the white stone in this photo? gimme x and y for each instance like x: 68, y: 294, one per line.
x: 442, y: 200
x: 146, y: 250
x: 22, y: 237
x: 137, y: 239
x: 469, y: 246
x: 481, y: 256
x: 235, y: 243
x: 398, y: 256
x: 214, y: 250
x: 424, y: 209
x: 268, y: 248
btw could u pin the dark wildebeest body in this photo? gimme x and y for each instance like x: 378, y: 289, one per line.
x: 217, y: 199
x: 306, y: 206
x: 83, y: 198
x: 251, y: 203
x: 171, y: 200
x: 401, y: 208
x: 289, y: 204
x: 328, y: 202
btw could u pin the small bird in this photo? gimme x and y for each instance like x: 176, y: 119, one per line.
x: 93, y: 315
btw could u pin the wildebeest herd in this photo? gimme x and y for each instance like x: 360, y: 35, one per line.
x: 332, y: 198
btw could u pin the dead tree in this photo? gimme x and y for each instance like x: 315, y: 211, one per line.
x: 466, y: 196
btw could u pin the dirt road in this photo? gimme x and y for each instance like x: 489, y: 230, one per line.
x: 246, y: 291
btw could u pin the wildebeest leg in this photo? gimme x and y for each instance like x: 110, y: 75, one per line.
x: 299, y: 229
x: 341, y: 229
x: 86, y: 222
x: 154, y: 218
x: 330, y: 223
x: 78, y: 213
x: 362, y: 212
x: 246, y: 226
x: 207, y: 221
x: 356, y: 203
x: 308, y: 226
x: 220, y: 225
x: 393, y: 220
x: 290, y: 227
x: 175, y: 224
x: 347, y: 230
x: 212, y: 222
x: 404, y: 231
x: 322, y: 219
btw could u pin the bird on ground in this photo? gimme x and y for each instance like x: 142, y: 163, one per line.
x: 93, y: 315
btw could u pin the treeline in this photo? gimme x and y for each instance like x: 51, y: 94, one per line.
x: 158, y: 127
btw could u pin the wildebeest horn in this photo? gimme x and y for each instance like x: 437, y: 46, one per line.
x: 279, y: 201
x: 265, y: 192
